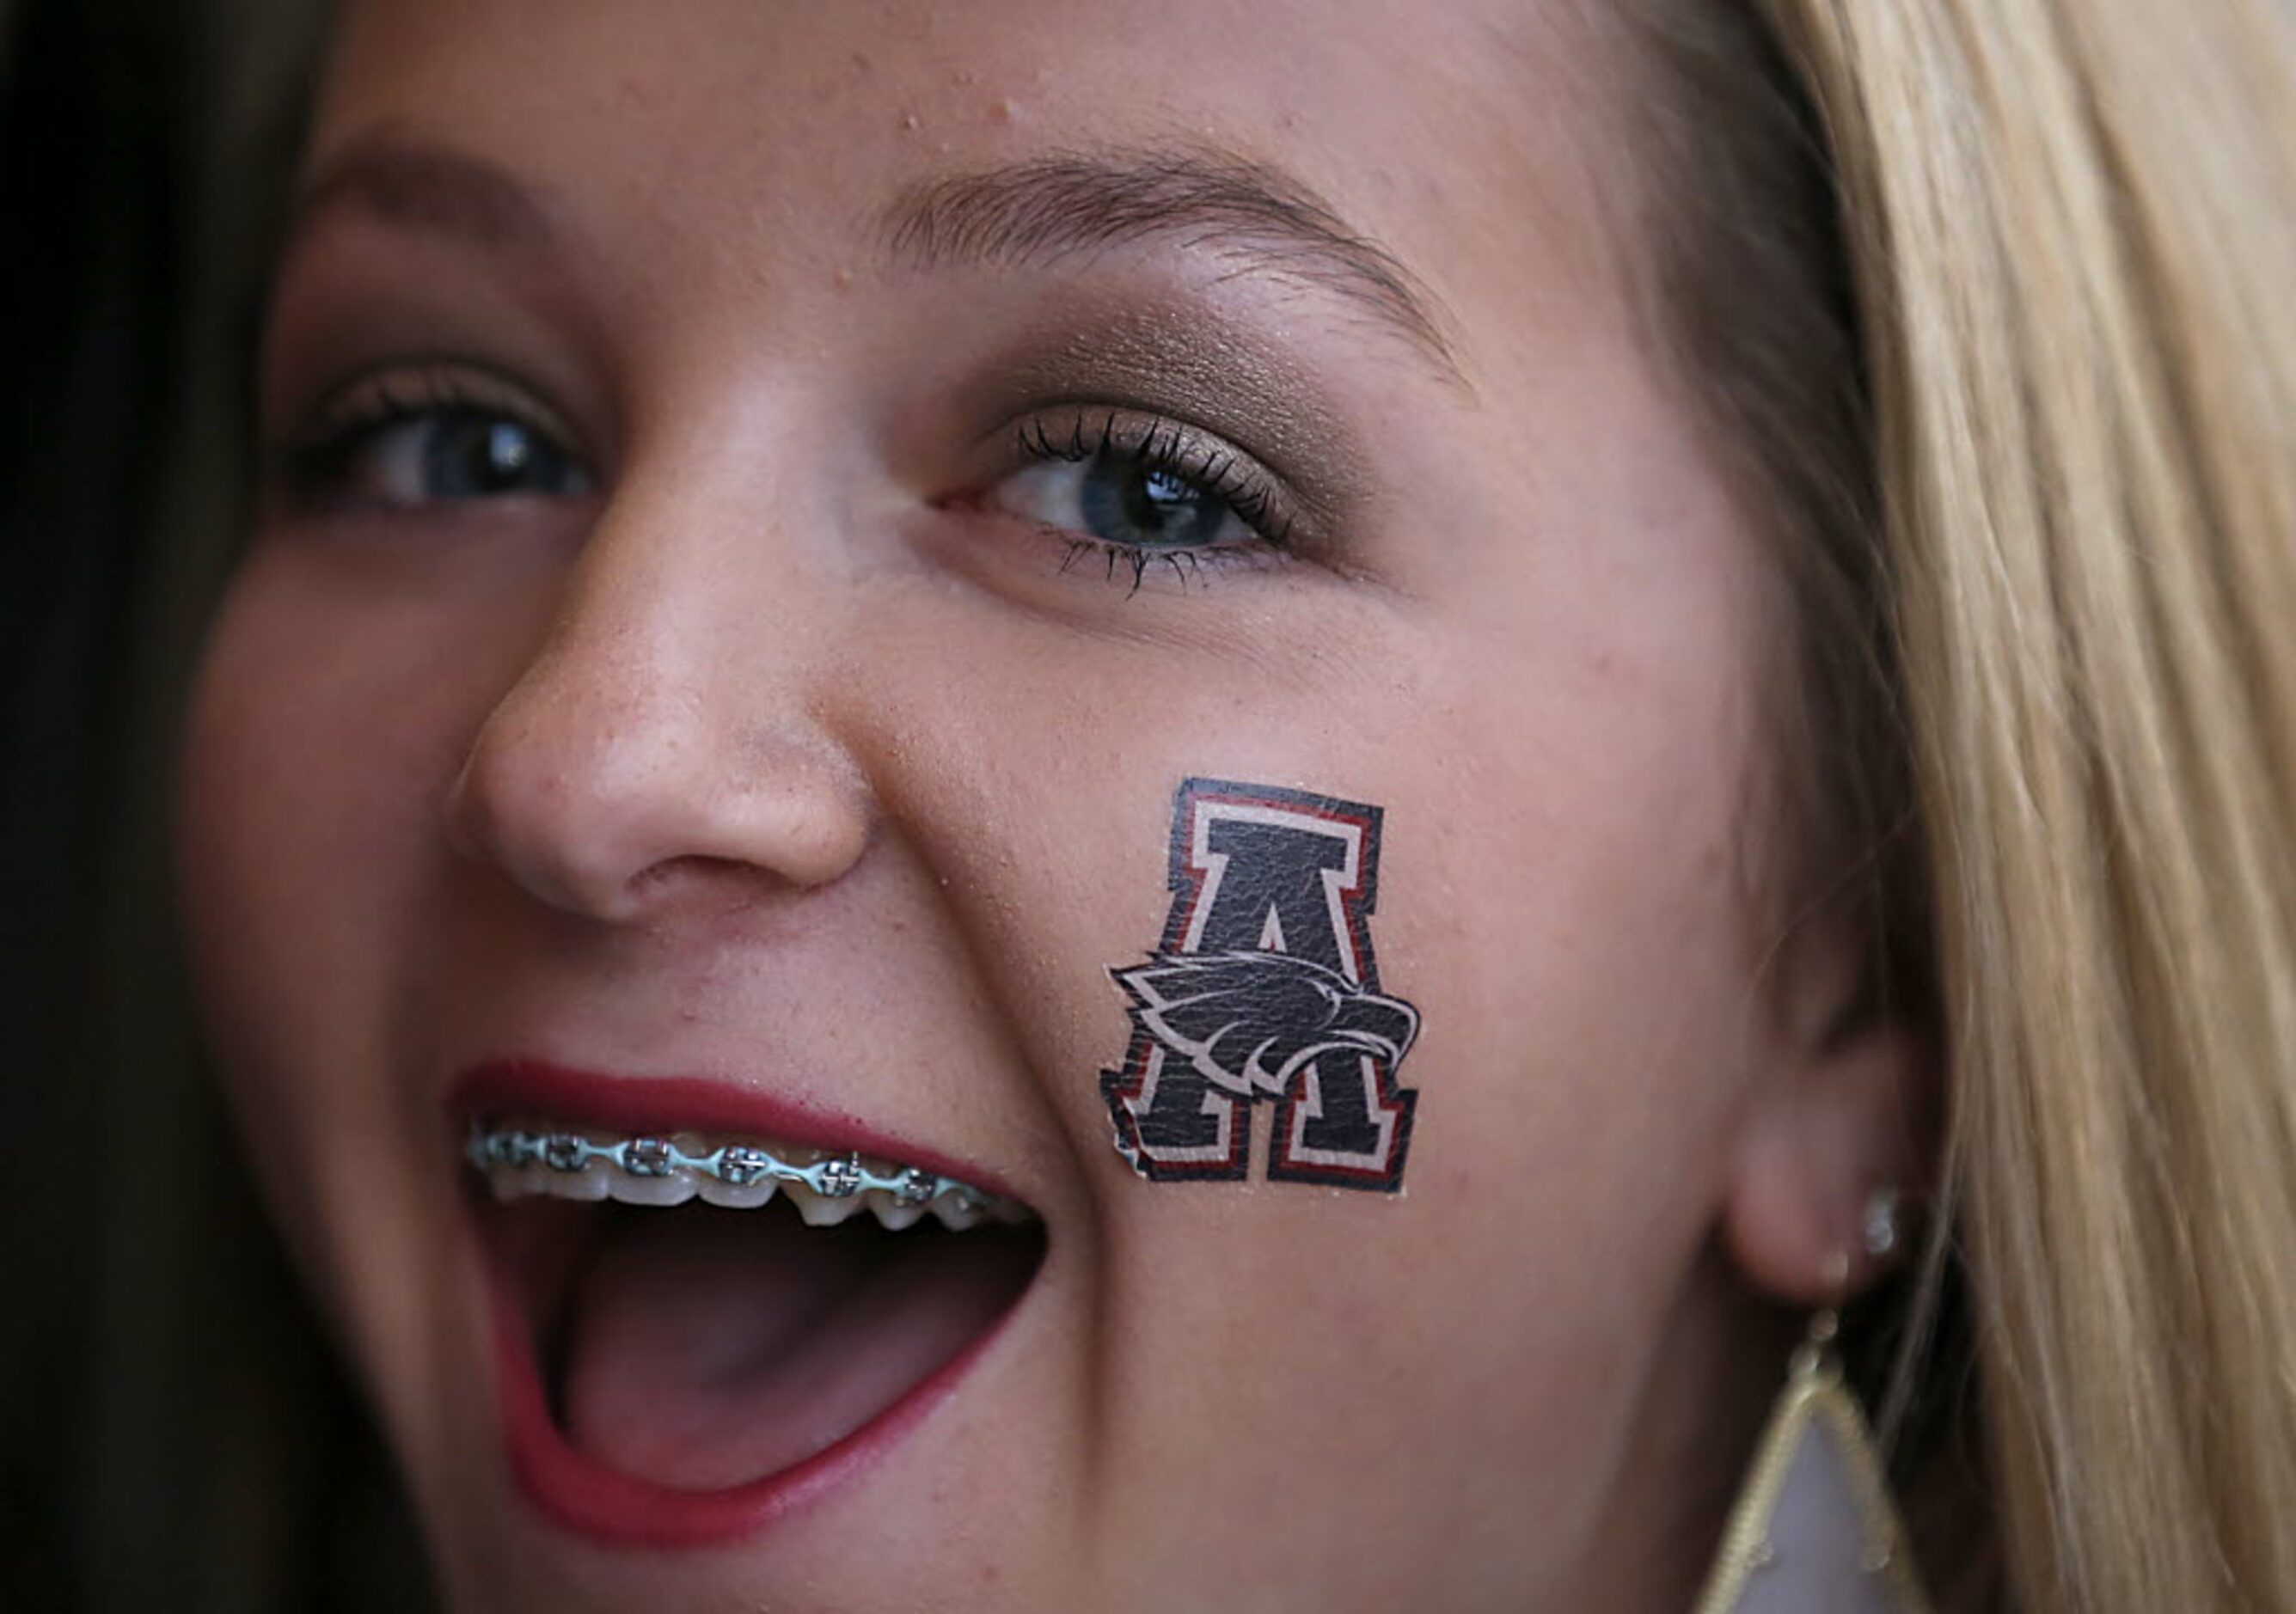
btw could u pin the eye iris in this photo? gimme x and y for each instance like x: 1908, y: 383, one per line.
x: 1146, y: 507
x: 474, y: 456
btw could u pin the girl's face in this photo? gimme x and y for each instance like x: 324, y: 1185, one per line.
x: 764, y: 508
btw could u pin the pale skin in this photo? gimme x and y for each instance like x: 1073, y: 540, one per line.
x: 777, y: 745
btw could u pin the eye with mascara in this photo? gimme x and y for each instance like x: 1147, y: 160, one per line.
x: 1142, y: 494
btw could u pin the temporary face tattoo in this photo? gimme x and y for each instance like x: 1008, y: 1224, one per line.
x: 1264, y: 987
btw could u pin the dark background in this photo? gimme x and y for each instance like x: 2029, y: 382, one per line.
x: 174, y: 1433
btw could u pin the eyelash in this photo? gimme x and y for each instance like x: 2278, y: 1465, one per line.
x: 316, y: 467
x: 1153, y: 445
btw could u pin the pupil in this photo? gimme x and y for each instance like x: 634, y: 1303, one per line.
x: 1161, y: 498
x: 472, y: 456
x: 1134, y: 506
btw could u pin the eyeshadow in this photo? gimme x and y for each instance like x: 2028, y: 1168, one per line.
x: 1187, y: 362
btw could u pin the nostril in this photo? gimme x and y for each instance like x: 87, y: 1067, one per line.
x: 724, y: 883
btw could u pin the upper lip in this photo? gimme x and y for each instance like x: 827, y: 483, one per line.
x: 652, y: 1104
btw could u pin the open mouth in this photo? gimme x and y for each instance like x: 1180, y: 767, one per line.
x: 695, y: 1324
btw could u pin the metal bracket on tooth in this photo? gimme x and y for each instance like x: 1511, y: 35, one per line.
x: 739, y: 1165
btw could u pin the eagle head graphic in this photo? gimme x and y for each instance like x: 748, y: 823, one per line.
x: 1249, y: 1021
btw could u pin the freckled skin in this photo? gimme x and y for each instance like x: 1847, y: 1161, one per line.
x: 770, y: 761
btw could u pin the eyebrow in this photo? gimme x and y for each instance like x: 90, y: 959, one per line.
x: 1260, y: 220
x: 431, y: 189
x: 1030, y: 215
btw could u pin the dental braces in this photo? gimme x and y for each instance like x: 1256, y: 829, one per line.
x: 737, y: 1164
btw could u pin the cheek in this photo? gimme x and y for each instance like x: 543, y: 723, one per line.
x: 1578, y: 901
x: 1591, y: 742
x: 1591, y: 1023
x: 1559, y: 896
x: 319, y: 745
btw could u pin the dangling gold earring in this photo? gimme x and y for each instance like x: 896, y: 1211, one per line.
x: 1775, y: 1556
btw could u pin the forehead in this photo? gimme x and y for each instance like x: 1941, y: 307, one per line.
x: 693, y: 139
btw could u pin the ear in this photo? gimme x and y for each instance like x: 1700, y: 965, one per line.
x: 1845, y: 1109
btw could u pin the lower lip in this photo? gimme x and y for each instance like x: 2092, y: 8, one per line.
x: 616, y: 1510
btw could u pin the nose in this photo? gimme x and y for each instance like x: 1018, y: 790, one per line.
x: 656, y: 749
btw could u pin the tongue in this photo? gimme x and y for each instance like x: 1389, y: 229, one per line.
x: 706, y: 1348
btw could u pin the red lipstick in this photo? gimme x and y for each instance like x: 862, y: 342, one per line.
x: 959, y: 1294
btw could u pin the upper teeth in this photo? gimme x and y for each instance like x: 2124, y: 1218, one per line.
x: 666, y: 1170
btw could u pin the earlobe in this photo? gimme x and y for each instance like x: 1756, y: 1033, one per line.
x: 1846, y: 1118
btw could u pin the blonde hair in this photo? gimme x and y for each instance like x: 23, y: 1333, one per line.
x: 2064, y: 228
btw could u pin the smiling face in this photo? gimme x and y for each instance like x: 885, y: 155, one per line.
x: 764, y: 506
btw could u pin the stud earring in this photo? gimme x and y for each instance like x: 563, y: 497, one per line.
x: 1882, y: 1224
x: 1814, y: 1526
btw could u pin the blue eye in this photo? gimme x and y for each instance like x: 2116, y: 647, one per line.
x: 378, y: 448
x: 451, y: 454
x: 469, y: 455
x: 1124, y: 503
x: 1151, y: 491
x: 1110, y: 498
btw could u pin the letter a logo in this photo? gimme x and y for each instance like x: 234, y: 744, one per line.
x: 1264, y: 988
